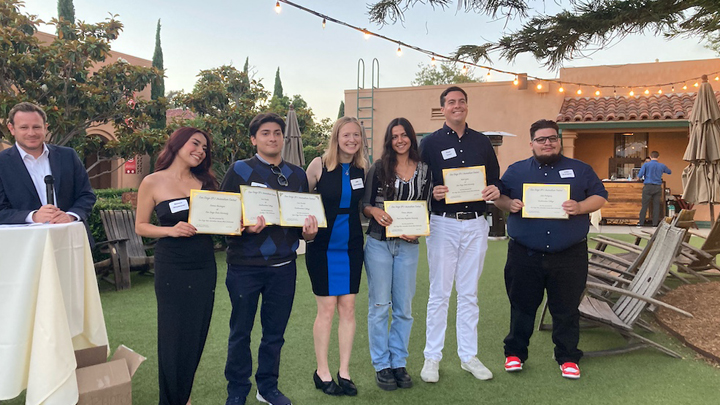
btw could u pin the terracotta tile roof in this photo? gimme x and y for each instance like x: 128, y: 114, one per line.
x: 179, y: 114
x: 623, y: 108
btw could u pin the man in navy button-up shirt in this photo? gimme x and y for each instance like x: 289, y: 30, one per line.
x: 548, y: 253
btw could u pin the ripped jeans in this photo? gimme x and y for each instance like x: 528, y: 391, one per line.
x: 391, y: 268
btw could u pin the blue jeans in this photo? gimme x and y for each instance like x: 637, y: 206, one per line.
x: 391, y: 268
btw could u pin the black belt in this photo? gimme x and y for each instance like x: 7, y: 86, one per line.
x: 460, y: 215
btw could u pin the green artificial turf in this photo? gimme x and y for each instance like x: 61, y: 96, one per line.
x: 641, y: 377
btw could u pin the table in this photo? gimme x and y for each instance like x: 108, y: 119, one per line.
x: 49, y: 307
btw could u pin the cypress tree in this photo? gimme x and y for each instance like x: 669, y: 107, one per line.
x: 66, y: 12
x: 157, y: 88
x: 341, y: 111
x: 278, y: 92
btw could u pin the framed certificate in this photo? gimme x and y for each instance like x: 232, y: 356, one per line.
x: 215, y: 212
x: 408, y: 218
x: 295, y: 208
x: 464, y: 184
x: 258, y: 201
x: 545, y: 200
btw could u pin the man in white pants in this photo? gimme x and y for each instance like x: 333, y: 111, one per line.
x: 458, y: 235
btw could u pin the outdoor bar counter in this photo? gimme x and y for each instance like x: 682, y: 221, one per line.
x: 625, y: 201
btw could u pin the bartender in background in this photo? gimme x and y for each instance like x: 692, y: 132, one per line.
x: 651, y: 173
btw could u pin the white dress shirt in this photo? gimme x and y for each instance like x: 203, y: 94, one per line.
x: 38, y: 169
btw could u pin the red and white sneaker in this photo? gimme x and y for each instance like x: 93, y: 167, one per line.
x: 570, y: 370
x: 513, y: 363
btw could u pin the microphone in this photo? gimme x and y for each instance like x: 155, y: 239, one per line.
x: 49, y: 181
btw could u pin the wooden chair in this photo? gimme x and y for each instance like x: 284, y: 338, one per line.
x: 649, y: 277
x: 126, y: 248
x: 686, y: 256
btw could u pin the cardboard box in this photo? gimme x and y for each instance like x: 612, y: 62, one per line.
x: 102, y: 382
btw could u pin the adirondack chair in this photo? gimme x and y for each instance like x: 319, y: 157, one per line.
x: 126, y: 248
x: 696, y: 260
x: 625, y: 313
x: 686, y: 256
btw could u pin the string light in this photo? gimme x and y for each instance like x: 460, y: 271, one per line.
x: 614, y: 92
x: 516, y: 81
x: 632, y: 93
x: 578, y: 92
x: 367, y: 34
x: 597, y: 92
x: 647, y: 92
x: 539, y: 86
x: 399, y: 51
x: 465, y: 70
x: 432, y: 61
x: 696, y: 84
x: 673, y: 88
x: 660, y: 91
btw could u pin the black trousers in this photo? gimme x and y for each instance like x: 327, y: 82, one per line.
x: 528, y: 274
x: 651, y: 192
x: 245, y: 285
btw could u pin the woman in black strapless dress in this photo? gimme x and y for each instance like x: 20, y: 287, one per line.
x: 185, y: 273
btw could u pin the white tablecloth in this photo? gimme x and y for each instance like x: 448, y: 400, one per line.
x: 49, y: 306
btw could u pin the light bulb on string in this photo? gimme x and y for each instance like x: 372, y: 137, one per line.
x: 717, y: 78
x: 539, y: 86
x: 684, y: 87
x: 561, y: 89
x: 647, y: 92
x: 324, y: 22
x: 489, y: 75
x: 659, y: 91
x: 597, y: 92
x: 366, y: 34
x: 277, y: 7
x: 632, y: 93
x: 433, y: 61
x: 465, y: 70
x: 399, y: 51
x: 516, y: 81
x: 614, y: 92
x: 696, y: 84
x: 578, y: 92
x: 673, y: 88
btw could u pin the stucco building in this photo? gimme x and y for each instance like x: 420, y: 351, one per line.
x: 613, y: 131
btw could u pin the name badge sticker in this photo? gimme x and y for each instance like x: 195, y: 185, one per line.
x: 448, y: 153
x: 256, y: 184
x: 567, y: 174
x: 357, y: 183
x: 179, y: 205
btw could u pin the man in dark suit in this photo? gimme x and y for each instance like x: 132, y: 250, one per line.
x: 25, y: 166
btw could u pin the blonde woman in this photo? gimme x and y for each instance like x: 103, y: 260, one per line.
x: 335, y: 258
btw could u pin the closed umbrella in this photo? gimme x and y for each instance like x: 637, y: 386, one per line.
x: 293, y: 148
x: 701, y: 178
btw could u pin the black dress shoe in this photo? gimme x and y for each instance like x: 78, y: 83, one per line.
x: 328, y: 387
x: 386, y: 380
x: 402, y: 377
x: 348, y: 387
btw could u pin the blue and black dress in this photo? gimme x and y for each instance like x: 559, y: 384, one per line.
x: 335, y: 258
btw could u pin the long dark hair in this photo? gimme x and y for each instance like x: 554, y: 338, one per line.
x: 389, y: 156
x: 177, y: 140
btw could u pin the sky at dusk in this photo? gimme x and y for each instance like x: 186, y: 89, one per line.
x: 318, y: 63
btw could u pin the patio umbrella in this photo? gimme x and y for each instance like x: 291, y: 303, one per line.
x: 701, y: 178
x: 293, y: 148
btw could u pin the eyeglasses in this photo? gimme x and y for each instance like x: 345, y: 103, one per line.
x: 282, y: 180
x: 544, y: 139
